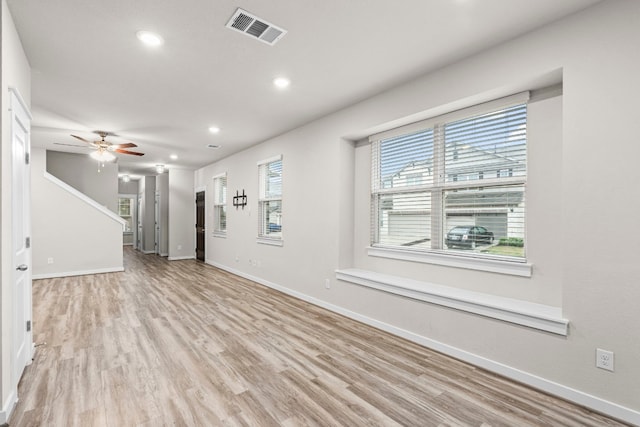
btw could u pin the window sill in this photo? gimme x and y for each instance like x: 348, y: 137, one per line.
x: 268, y: 241
x: 219, y: 234
x: 537, y: 316
x: 515, y: 268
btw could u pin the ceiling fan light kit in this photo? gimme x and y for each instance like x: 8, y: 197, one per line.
x: 102, y: 156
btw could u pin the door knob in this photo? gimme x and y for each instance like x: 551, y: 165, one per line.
x: 22, y: 267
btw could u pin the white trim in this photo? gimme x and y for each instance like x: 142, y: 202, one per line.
x: 269, y: 241
x: 220, y: 175
x: 153, y: 251
x: 20, y: 99
x: 269, y: 160
x: 538, y: 316
x: 164, y: 254
x: 9, y: 406
x: 220, y: 234
x: 179, y: 258
x: 514, y: 268
x: 78, y: 273
x: 200, y: 189
x: 84, y: 198
x: 603, y: 406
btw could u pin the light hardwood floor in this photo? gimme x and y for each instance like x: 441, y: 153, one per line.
x: 183, y: 343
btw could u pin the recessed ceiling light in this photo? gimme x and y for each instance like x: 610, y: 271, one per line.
x: 149, y: 38
x: 281, y: 82
x: 214, y: 129
x: 174, y: 157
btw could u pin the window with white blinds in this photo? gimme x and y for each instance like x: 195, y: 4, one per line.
x: 270, y: 200
x: 220, y: 204
x: 454, y: 183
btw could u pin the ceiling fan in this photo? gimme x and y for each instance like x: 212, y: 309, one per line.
x: 104, y: 148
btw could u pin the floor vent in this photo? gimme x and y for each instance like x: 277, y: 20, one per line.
x: 255, y: 27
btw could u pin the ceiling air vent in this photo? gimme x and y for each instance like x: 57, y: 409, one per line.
x: 253, y: 26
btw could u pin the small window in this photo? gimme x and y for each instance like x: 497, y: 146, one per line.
x: 125, y: 212
x: 220, y: 205
x: 270, y: 201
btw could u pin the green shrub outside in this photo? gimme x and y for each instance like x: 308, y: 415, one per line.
x: 512, y: 241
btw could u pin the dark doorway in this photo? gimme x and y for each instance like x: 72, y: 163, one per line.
x: 200, y: 225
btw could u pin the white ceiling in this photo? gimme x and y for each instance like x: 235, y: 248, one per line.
x: 89, y: 72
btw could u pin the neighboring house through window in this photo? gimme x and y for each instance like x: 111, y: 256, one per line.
x: 270, y: 201
x: 435, y: 186
x: 220, y: 205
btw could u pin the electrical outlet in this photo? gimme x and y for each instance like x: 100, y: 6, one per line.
x: 49, y: 260
x: 327, y: 284
x: 604, y: 359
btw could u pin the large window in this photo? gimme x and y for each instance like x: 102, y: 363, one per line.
x: 220, y: 205
x: 270, y: 201
x: 453, y: 184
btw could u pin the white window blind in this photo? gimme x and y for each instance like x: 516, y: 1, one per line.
x: 455, y: 185
x: 270, y: 199
x: 220, y: 204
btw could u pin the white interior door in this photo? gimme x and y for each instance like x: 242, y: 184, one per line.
x: 140, y: 213
x: 157, y: 223
x: 22, y: 340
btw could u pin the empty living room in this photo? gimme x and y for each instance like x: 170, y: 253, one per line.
x: 319, y: 213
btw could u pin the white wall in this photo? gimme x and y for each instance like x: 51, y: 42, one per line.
x: 182, y: 214
x: 74, y: 235
x: 16, y: 73
x: 87, y: 176
x: 130, y: 187
x: 592, y: 277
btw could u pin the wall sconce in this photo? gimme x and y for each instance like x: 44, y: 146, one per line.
x: 160, y: 168
x: 126, y: 178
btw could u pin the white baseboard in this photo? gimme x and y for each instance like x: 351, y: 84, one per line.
x: 8, y: 407
x: 164, y: 254
x: 77, y: 273
x: 178, y: 258
x: 148, y: 252
x: 595, y: 403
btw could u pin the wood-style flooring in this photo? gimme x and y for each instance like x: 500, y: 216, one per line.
x: 183, y: 343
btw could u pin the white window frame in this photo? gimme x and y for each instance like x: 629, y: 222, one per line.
x: 264, y: 237
x: 219, y: 202
x: 484, y: 262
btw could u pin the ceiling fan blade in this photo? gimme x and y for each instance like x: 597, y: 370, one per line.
x: 71, y: 145
x: 126, y: 145
x: 82, y: 139
x: 128, y: 152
